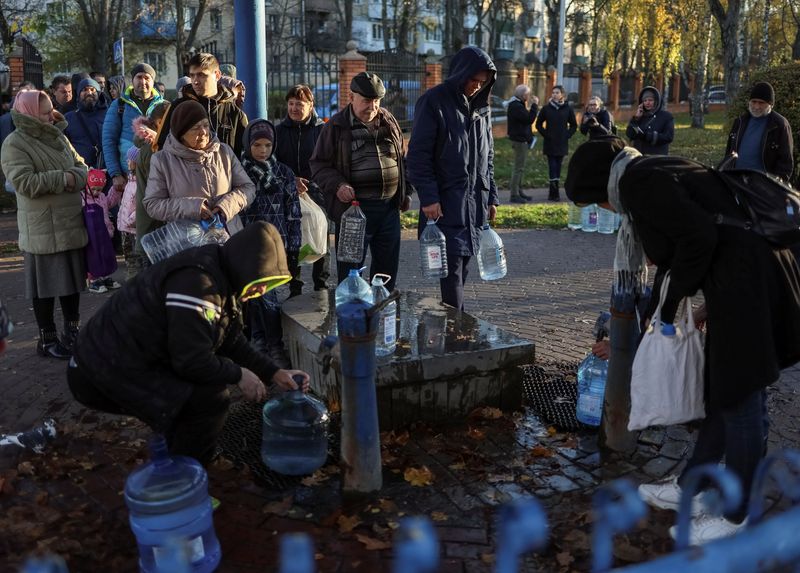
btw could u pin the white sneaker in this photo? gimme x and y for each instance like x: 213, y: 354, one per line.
x: 707, y: 528
x: 667, y: 495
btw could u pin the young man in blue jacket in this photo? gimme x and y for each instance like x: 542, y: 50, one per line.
x: 450, y: 162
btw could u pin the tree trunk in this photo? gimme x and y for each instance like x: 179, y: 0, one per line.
x: 697, y: 95
x: 552, y: 46
x: 729, y: 29
x: 387, y: 30
x: 764, y: 57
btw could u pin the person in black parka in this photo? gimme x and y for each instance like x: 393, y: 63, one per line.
x: 451, y: 162
x: 751, y: 291
x: 168, y: 345
x: 652, y: 128
x: 557, y: 124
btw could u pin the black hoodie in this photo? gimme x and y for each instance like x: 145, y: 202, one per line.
x: 654, y: 131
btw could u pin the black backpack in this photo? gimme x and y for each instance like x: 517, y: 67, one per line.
x: 771, y: 207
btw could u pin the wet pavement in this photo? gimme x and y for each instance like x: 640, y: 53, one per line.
x: 69, y: 500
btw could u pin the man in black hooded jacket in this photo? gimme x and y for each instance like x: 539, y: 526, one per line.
x: 168, y: 345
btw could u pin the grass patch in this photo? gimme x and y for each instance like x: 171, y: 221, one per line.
x: 536, y: 216
x: 9, y: 248
x: 704, y: 145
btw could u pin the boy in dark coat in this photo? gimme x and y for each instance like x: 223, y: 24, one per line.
x: 557, y: 124
x: 652, y: 128
x: 451, y: 162
x: 751, y: 290
x: 167, y: 347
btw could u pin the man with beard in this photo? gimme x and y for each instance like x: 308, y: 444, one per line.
x: 761, y: 138
x: 85, y: 124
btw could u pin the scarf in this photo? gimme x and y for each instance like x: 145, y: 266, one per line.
x: 27, y: 102
x: 261, y: 174
x: 630, y: 268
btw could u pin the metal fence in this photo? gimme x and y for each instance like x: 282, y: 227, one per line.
x: 403, y: 74
x: 32, y: 64
x: 320, y: 71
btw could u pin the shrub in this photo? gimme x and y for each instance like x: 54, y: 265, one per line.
x: 784, y: 80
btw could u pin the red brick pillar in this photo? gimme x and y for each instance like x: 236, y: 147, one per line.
x: 613, y: 92
x: 585, y: 87
x: 551, y: 81
x: 350, y: 64
x: 675, y: 89
x: 17, y: 73
x: 638, y: 84
x: 660, y: 84
x: 433, y: 76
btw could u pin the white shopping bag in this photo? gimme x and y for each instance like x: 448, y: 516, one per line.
x: 314, y: 225
x: 667, y: 375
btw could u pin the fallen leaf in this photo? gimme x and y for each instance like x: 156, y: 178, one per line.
x: 372, y: 544
x: 379, y: 530
x: 418, y: 477
x: 487, y: 558
x: 279, y: 507
x: 541, y: 452
x: 551, y: 431
x: 476, y: 434
x: 564, y: 558
x: 458, y: 466
x: 487, y: 413
x: 42, y: 498
x: 25, y: 469
x: 315, y: 479
x: 348, y: 524
x: 439, y: 516
x: 400, y: 439
x: 577, y: 540
x: 222, y: 464
x: 495, y: 478
x: 393, y: 524
x: 387, y: 505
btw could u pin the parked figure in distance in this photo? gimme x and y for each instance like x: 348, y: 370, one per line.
x: 557, y: 124
x: 652, y: 128
x: 520, y: 122
x: 451, y: 162
x: 360, y: 155
x: 596, y: 120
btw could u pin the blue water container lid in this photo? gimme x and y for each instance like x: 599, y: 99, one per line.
x: 165, y: 483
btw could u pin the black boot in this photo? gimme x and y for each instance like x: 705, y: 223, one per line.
x: 50, y: 346
x: 524, y: 196
x: 71, y: 328
x: 553, y: 194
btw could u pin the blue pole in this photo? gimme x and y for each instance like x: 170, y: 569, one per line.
x: 251, y: 55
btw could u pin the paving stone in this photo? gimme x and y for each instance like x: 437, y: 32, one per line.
x: 674, y: 449
x: 465, y: 550
x: 462, y: 534
x: 652, y: 436
x: 680, y: 433
x: 561, y: 483
x: 659, y: 467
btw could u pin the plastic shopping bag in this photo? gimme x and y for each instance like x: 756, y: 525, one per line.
x: 314, y: 226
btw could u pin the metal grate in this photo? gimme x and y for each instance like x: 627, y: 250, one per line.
x: 551, y: 389
x: 241, y: 443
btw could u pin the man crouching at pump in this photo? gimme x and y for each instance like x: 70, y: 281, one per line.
x: 166, y: 347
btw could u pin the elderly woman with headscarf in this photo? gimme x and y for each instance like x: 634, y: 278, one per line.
x: 48, y: 176
x: 670, y: 208
x: 116, y: 86
x: 194, y: 176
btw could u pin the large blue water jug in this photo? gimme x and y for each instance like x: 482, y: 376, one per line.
x: 354, y: 288
x: 168, y: 500
x: 592, y: 374
x: 294, y: 433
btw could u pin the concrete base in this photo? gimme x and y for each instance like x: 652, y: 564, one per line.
x: 446, y: 363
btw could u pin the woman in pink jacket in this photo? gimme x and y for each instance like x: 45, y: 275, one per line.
x: 194, y: 176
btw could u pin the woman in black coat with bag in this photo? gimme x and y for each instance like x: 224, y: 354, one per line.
x: 556, y: 123
x: 751, y: 290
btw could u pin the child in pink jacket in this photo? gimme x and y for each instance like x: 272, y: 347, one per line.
x: 126, y: 218
x: 95, y: 183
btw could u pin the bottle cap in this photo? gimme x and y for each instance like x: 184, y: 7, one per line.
x: 299, y: 379
x: 355, y: 203
x: 668, y: 329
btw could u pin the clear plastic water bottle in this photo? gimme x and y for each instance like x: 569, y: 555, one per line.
x: 386, y: 339
x: 294, y: 433
x: 433, y: 252
x: 606, y: 221
x: 592, y: 374
x: 354, y: 288
x: 491, y: 255
x: 168, y: 500
x: 573, y: 217
x: 589, y: 218
x: 352, y: 231
x: 177, y: 236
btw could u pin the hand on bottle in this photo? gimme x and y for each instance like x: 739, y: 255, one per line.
x: 602, y: 349
x: 251, y: 386
x: 345, y: 193
x: 283, y: 378
x: 433, y: 211
x: 206, y: 212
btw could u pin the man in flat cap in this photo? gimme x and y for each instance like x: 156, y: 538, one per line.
x: 761, y: 138
x: 137, y: 100
x: 451, y: 162
x: 360, y: 156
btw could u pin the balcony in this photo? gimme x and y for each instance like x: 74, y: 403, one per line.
x: 324, y: 42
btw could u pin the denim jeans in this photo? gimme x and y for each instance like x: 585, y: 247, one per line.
x: 554, y: 166
x: 738, y: 435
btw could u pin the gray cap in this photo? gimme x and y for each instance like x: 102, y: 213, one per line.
x: 368, y: 85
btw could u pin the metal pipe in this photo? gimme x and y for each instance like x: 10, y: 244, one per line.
x: 251, y: 55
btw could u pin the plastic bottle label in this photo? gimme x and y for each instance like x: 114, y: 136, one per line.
x: 389, y: 329
x: 195, y: 551
x: 593, y: 218
x: 591, y: 405
x: 501, y: 256
x: 434, y: 254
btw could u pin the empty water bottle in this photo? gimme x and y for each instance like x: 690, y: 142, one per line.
x: 491, y: 255
x: 589, y: 218
x: 177, y: 236
x: 354, y: 288
x: 386, y: 340
x: 294, y: 432
x: 606, y: 221
x: 352, y: 231
x: 35, y: 439
x: 573, y: 217
x: 168, y: 500
x: 592, y: 374
x: 433, y: 252
x: 214, y: 230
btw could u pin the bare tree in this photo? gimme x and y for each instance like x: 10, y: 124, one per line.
x: 184, y: 40
x: 101, y: 20
x: 454, y: 11
x: 765, y: 34
x: 729, y: 22
x: 701, y: 65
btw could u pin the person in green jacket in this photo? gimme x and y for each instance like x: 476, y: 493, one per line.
x: 48, y: 175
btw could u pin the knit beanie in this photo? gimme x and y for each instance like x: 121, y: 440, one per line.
x: 185, y: 116
x: 96, y: 178
x: 88, y: 82
x: 589, y: 169
x: 763, y: 91
x: 257, y: 129
x: 142, y: 67
x: 133, y: 154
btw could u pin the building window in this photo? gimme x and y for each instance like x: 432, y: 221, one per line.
x: 275, y: 24
x: 297, y: 26
x: 377, y: 32
x: 158, y: 60
x: 506, y: 41
x: 189, y: 14
x: 216, y: 20
x: 433, y: 34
